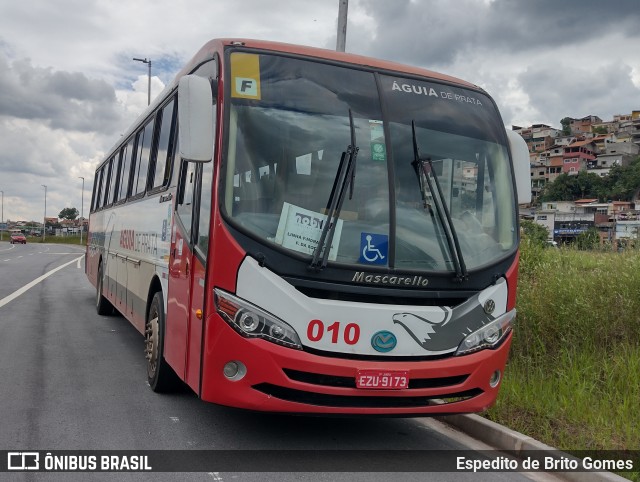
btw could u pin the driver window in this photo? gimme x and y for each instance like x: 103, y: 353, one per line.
x: 184, y: 204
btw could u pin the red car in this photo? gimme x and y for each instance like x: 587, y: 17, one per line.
x: 18, y: 238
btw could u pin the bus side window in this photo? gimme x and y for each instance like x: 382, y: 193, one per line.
x: 109, y: 179
x: 164, y: 157
x: 104, y: 188
x: 145, y: 136
x: 125, y: 170
x: 96, y: 191
x: 186, y: 188
x: 115, y: 177
x: 100, y: 188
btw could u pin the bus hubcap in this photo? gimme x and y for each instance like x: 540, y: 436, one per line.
x: 151, y: 345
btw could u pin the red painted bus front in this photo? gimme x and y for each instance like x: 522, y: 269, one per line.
x: 348, y: 246
x: 364, y: 242
x: 282, y: 379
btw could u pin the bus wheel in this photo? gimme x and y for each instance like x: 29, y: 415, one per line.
x: 103, y: 306
x: 160, y: 375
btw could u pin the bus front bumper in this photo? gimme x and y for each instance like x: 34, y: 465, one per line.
x: 279, y: 379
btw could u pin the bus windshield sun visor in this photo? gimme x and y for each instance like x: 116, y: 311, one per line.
x: 424, y: 172
x: 345, y: 177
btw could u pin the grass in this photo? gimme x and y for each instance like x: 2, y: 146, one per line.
x: 59, y: 240
x: 573, y: 375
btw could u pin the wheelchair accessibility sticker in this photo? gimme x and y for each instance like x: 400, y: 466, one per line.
x: 373, y: 248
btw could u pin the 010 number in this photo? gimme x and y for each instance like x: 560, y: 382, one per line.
x: 350, y: 334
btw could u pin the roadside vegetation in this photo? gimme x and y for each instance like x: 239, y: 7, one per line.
x: 573, y: 376
x: 621, y: 184
x: 58, y: 239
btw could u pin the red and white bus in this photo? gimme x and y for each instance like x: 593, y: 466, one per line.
x: 323, y: 233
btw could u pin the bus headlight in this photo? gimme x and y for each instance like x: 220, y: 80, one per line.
x: 253, y: 322
x: 489, y: 335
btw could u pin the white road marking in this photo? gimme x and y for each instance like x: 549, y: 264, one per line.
x: 28, y: 286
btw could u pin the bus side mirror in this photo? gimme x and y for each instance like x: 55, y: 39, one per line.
x: 195, y: 118
x: 521, y: 166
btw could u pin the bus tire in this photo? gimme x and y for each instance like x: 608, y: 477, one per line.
x: 103, y: 306
x: 160, y: 375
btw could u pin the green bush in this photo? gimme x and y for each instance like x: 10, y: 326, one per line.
x: 534, y: 233
x: 573, y: 375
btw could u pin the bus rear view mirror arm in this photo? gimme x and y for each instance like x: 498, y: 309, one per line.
x: 195, y: 117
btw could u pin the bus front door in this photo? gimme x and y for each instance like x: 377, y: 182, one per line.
x: 182, y: 267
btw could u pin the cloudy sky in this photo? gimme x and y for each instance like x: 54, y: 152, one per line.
x: 69, y: 87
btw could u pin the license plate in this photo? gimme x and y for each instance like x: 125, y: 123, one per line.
x: 382, y: 379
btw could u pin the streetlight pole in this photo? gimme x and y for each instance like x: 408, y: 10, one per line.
x: 44, y: 224
x: 81, y: 209
x: 2, y: 220
x: 343, y: 7
x: 148, y: 62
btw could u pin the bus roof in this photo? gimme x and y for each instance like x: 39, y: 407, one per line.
x: 209, y: 49
x: 216, y: 45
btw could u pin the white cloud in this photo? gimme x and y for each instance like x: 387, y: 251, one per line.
x: 69, y: 86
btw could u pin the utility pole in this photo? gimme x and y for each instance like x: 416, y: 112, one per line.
x: 44, y: 223
x: 148, y: 62
x: 82, y: 209
x: 343, y: 6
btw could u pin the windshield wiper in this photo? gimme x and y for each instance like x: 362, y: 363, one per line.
x: 424, y: 170
x: 345, y: 177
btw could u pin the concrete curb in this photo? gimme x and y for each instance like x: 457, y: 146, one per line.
x: 503, y: 438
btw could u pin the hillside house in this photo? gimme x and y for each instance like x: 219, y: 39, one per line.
x: 583, y: 126
x: 576, y: 156
x: 618, y: 154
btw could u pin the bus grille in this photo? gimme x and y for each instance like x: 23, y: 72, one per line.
x: 350, y: 382
x: 388, y: 298
x: 327, y: 400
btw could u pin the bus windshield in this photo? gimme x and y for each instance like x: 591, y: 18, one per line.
x: 289, y: 125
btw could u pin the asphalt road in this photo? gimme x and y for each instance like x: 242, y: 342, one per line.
x: 73, y: 380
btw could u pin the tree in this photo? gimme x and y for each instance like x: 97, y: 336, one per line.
x: 600, y: 130
x: 566, y: 126
x: 68, y: 213
x: 558, y: 190
x: 569, y: 188
x: 535, y: 232
x: 588, y: 184
x: 622, y: 182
